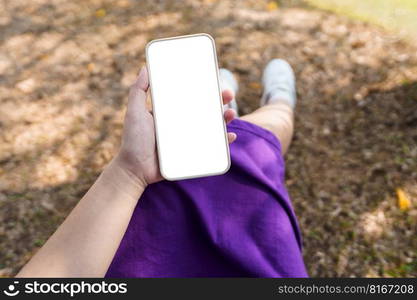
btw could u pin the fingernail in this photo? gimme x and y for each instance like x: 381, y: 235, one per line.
x: 231, y: 137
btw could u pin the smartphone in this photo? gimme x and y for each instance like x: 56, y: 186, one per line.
x: 187, y: 107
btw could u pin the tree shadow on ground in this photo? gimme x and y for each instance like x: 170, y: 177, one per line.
x: 354, y: 142
x: 351, y: 166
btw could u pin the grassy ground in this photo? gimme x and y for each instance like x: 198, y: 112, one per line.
x: 395, y: 15
x: 65, y: 67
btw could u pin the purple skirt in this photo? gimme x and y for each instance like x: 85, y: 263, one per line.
x: 240, y: 224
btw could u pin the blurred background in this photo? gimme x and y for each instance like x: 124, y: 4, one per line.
x: 65, y: 67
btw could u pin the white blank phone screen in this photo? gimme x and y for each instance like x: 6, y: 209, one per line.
x: 187, y: 107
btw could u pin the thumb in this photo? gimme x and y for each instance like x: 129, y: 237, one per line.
x: 137, y: 93
x: 142, y: 81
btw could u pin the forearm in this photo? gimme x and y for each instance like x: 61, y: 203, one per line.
x: 84, y: 245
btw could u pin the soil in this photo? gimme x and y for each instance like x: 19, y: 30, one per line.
x: 65, y: 67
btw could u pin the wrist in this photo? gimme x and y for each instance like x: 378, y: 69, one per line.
x: 118, y: 175
x: 127, y: 165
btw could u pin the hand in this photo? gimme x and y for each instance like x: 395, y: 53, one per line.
x: 137, y: 155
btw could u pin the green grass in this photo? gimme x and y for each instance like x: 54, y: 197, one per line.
x: 399, y: 16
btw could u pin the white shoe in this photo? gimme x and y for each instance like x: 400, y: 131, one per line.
x: 279, y: 83
x: 229, y: 82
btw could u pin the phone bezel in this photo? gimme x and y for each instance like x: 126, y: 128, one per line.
x: 220, y: 103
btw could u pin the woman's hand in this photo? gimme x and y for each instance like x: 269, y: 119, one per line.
x: 137, y: 155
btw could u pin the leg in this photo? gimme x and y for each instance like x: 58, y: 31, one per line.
x: 278, y: 101
x: 277, y: 118
x: 276, y: 113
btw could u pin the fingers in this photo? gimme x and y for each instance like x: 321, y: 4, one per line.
x: 229, y: 115
x: 231, y: 137
x: 227, y: 96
